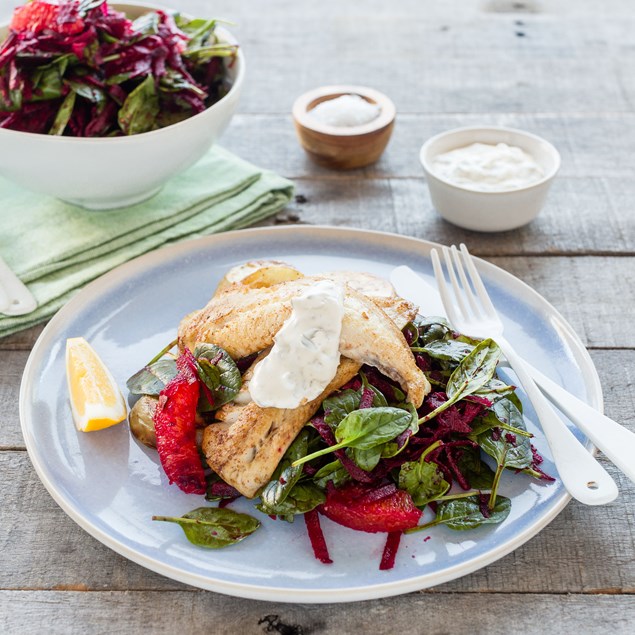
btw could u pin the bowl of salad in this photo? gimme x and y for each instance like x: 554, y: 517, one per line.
x: 100, y: 104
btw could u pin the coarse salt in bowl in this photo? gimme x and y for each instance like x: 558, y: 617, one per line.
x: 346, y: 136
x: 492, y: 210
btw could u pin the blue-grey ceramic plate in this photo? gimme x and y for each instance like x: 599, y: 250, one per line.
x: 111, y: 485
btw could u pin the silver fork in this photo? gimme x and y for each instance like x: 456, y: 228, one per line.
x: 473, y: 313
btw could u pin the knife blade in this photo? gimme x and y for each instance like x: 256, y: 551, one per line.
x: 411, y: 286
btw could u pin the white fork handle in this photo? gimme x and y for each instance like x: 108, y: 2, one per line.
x: 583, y: 477
x: 616, y: 441
x: 15, y: 298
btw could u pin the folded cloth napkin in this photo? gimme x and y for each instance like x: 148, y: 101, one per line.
x: 57, y: 248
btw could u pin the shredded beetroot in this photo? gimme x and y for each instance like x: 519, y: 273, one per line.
x: 483, y: 504
x: 222, y: 489
x: 175, y: 430
x: 423, y: 361
x: 375, y: 378
x: 535, y: 465
x: 244, y: 363
x: 390, y: 551
x: 312, y: 521
x: 353, y: 384
x: 367, y: 399
x: 226, y: 501
x: 377, y: 493
x: 458, y: 475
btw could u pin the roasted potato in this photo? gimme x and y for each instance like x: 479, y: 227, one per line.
x: 259, y: 273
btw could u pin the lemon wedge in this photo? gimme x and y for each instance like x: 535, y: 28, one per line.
x: 96, y: 401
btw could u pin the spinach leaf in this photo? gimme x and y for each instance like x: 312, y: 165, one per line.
x: 392, y: 448
x: 333, y: 471
x: 494, y: 390
x: 447, y: 350
x: 422, y: 479
x: 286, y: 476
x: 465, y: 513
x: 366, y: 429
x: 219, y: 372
x: 212, y: 527
x: 152, y: 379
x: 469, y: 376
x: 478, y: 474
x: 474, y: 371
x: 63, y: 114
x: 140, y: 109
x: 91, y: 93
x: 506, y: 448
x: 509, y: 450
x: 303, y: 497
x: 338, y: 406
x: 432, y: 328
x: 366, y: 459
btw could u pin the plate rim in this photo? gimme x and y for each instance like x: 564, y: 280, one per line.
x: 290, y: 594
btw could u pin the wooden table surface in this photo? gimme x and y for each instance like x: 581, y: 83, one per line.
x: 562, y: 69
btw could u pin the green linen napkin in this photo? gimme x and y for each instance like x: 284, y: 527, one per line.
x: 57, y: 248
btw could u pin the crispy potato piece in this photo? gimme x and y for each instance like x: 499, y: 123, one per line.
x: 268, y: 276
x: 257, y: 274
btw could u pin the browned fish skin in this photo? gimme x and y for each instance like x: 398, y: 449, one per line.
x: 247, y: 446
x: 244, y: 321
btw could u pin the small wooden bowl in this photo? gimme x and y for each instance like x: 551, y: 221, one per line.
x: 343, y: 147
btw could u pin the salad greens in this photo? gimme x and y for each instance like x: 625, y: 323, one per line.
x: 213, y: 527
x: 368, y: 459
x: 80, y: 68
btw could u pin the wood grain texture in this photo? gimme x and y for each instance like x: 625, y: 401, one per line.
x: 452, y: 56
x: 122, y: 613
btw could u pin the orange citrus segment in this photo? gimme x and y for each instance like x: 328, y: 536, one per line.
x: 96, y: 401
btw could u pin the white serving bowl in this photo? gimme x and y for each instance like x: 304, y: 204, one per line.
x: 106, y: 173
x: 489, y: 211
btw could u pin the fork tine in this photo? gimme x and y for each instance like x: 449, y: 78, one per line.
x: 477, y: 282
x: 471, y: 296
x: 455, y: 283
x: 442, y: 286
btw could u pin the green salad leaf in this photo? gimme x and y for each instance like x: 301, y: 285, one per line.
x: 219, y: 372
x: 212, y: 527
x: 152, y: 379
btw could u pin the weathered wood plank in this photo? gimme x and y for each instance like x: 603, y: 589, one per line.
x: 586, y: 549
x: 131, y: 613
x: 440, y: 56
x: 581, y: 216
x: 437, y: 56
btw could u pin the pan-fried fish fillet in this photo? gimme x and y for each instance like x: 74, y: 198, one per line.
x: 246, y: 448
x: 243, y: 321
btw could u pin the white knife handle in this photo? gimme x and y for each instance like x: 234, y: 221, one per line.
x: 583, y: 477
x: 616, y: 441
x: 19, y: 299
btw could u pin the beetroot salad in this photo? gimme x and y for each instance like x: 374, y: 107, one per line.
x: 79, y: 68
x: 368, y: 459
